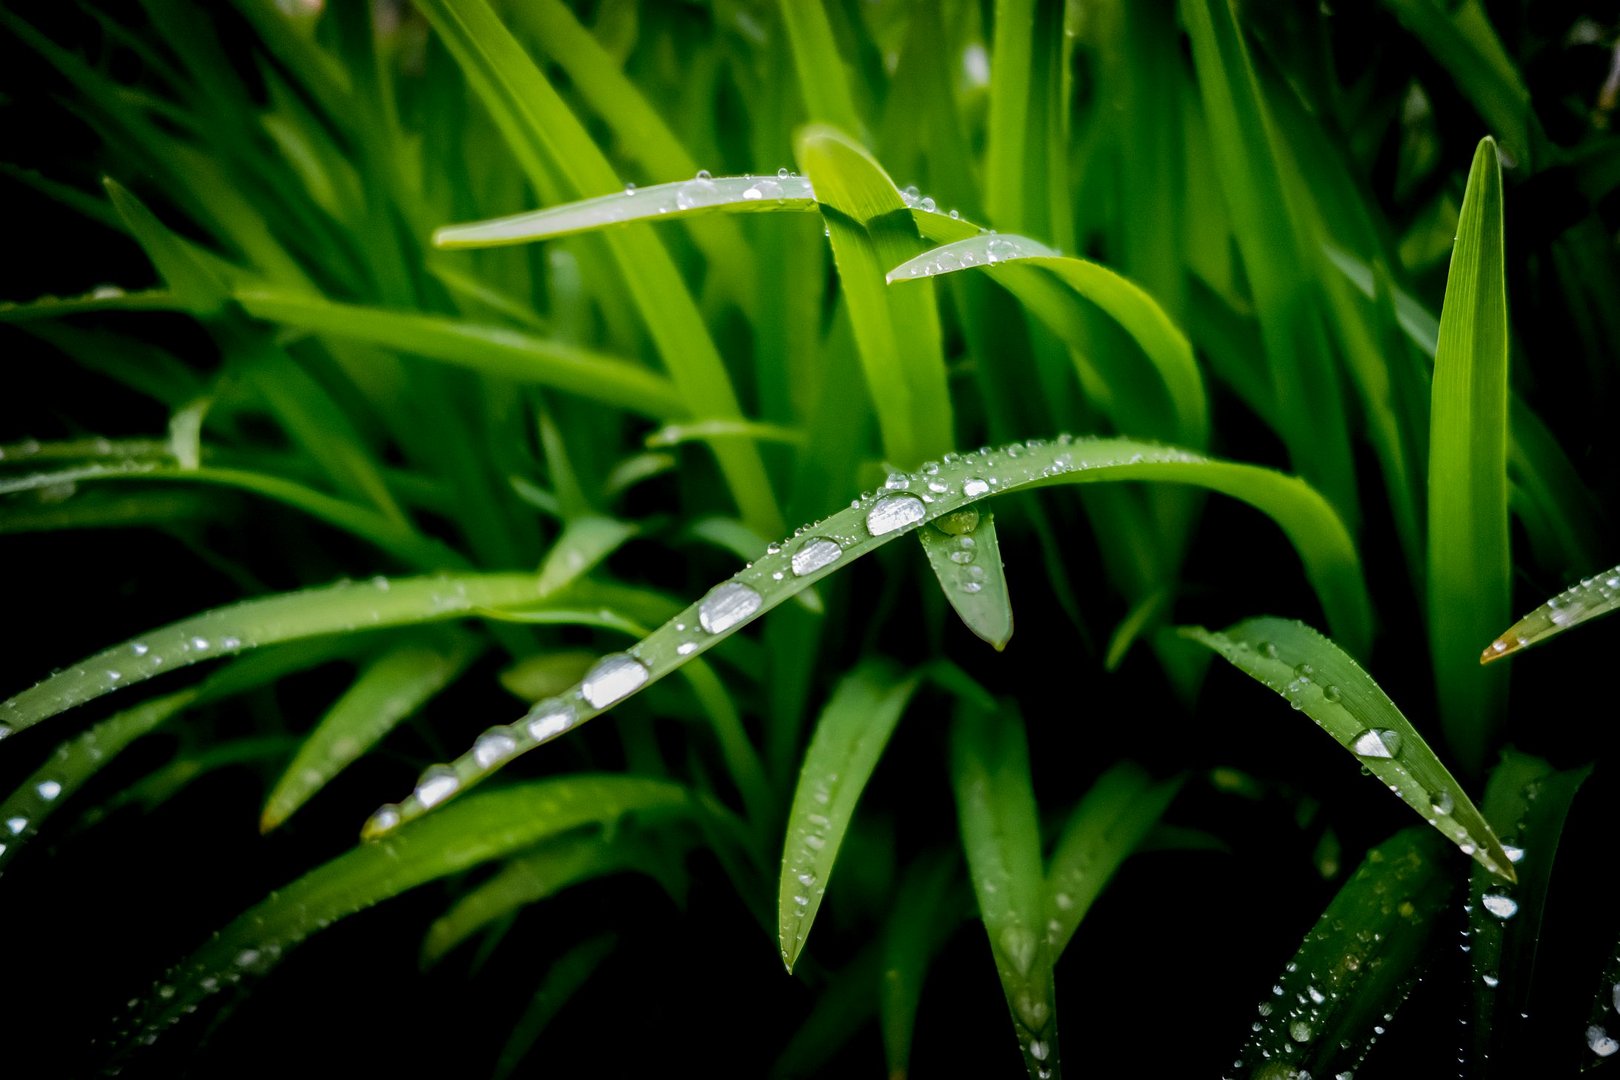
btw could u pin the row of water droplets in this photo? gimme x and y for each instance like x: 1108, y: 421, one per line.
x: 1587, y: 598
x: 987, y: 249
x: 1379, y: 749
x: 905, y: 501
x: 810, y: 853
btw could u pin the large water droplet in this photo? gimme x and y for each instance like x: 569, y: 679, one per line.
x: 548, y: 719
x: 726, y: 605
x: 700, y: 191
x: 814, y: 554
x: 1382, y: 743
x: 48, y: 789
x: 613, y: 678
x: 385, y: 819
x: 494, y: 746
x: 437, y: 784
x: 1600, y: 1042
x: 1513, y: 852
x: 893, y: 512
x: 1300, y: 1031
x: 974, y: 486
x: 1500, y: 905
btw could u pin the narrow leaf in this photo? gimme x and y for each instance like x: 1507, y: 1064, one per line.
x: 1318, y: 677
x: 1591, y: 597
x: 965, y: 555
x: 1470, y: 576
x: 850, y: 737
x: 1360, y: 962
x: 561, y: 982
x: 825, y: 547
x: 1000, y: 826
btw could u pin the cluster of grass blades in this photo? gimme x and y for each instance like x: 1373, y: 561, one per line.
x: 362, y: 460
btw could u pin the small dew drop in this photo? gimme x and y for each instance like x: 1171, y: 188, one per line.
x: 1513, y: 852
x: 726, y: 605
x: 1300, y: 1031
x: 613, y: 678
x: 1442, y: 803
x: 974, y: 486
x: 1330, y: 694
x: 384, y: 820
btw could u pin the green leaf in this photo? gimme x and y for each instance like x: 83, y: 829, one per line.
x: 1116, y: 815
x: 820, y: 69
x: 202, y: 293
x: 390, y: 688
x: 1359, y: 963
x: 1470, y: 575
x: 482, y: 827
x: 226, y: 631
x: 1589, y: 598
x: 562, y: 980
x: 850, y: 737
x: 925, y: 912
x: 1002, y: 256
x: 897, y: 332
x: 995, y: 803
x: 490, y: 350
x: 827, y: 546
x: 965, y: 556
x: 582, y: 545
x: 1321, y: 679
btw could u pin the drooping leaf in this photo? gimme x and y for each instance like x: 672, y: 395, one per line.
x: 1317, y: 677
x: 965, y: 556
x: 1591, y: 597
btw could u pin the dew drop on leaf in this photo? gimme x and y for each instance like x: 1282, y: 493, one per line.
x: 726, y: 605
x: 894, y: 512
x: 613, y: 678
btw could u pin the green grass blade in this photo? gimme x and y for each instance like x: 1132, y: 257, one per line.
x: 202, y: 293
x: 1001, y: 836
x: 702, y: 196
x: 1116, y: 815
x: 876, y: 518
x: 1318, y: 677
x: 1268, y: 236
x: 1470, y: 575
x: 531, y: 877
x: 551, y: 144
x: 1527, y: 802
x: 850, y: 737
x: 926, y: 909
x: 1587, y: 599
x: 1165, y: 346
x: 101, y: 298
x: 387, y: 690
x: 819, y: 67
x: 896, y: 332
x: 490, y: 350
x: 480, y: 828
x: 226, y: 631
x: 583, y: 543
x: 965, y: 556
x: 1359, y: 963
x: 561, y: 982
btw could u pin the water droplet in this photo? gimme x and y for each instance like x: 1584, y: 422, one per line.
x: 200, y: 644
x: 548, y: 719
x: 16, y: 825
x: 1600, y: 1042
x: 140, y: 648
x: 894, y: 512
x: 700, y: 191
x: 726, y: 605
x: 959, y: 522
x: 704, y: 174
x: 782, y: 174
x: 247, y: 958
x: 1267, y: 650
x: 385, y: 819
x: 973, y: 487
x: 629, y: 189
x: 1513, y: 852
x: 1490, y: 980
x: 494, y: 746
x: 909, y: 194
x: 1382, y: 743
x: 48, y: 789
x: 1500, y: 905
x: 1019, y: 946
x: 764, y: 189
x: 437, y: 784
x: 613, y: 678
x: 1300, y: 1031
x: 927, y: 203
x: 1038, y: 1049
x: 1316, y: 996
x: 1615, y: 996
x: 1330, y: 694
x: 814, y: 554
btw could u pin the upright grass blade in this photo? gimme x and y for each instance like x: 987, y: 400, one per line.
x: 850, y: 737
x: 820, y: 68
x: 1000, y: 826
x: 1470, y: 574
x: 556, y: 152
x: 334, y: 609
x: 1116, y: 815
x: 388, y: 690
x: 965, y: 556
x: 1589, y: 598
x: 897, y: 332
x: 1358, y: 964
x: 1321, y: 679
x: 1166, y: 348
x: 1304, y: 382
x: 480, y: 828
x: 927, y: 908
x: 202, y: 293
x: 873, y: 520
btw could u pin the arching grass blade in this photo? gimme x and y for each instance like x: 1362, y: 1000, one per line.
x: 1589, y: 598
x: 849, y: 738
x: 1321, y: 679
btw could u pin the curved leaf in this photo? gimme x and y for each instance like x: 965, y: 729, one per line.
x: 1591, y: 597
x: 907, y: 502
x: 1318, y: 677
x: 849, y: 739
